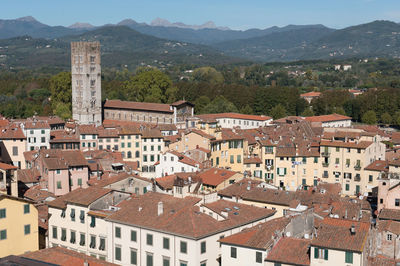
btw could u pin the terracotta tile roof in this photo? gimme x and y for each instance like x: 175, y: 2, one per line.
x: 238, y: 188
x: 271, y: 196
x: 38, y: 194
x: 30, y: 155
x: 87, y: 130
x: 201, y: 133
x: 28, y: 175
x: 80, y: 196
x: 5, y: 166
x: 51, y: 120
x: 151, y: 133
x: 389, y: 214
x: 215, y: 176
x: 11, y: 132
x: 181, y: 102
x: 61, y: 136
x: 354, y: 145
x: 43, y: 215
x: 64, y: 257
x: 108, y: 132
x: 292, y: 251
x: 4, y: 122
x: 182, y: 216
x: 60, y: 158
x: 327, y: 118
x: 388, y: 225
x: 55, y: 164
x: 378, y: 165
x: 37, y: 125
x: 311, y: 94
x: 108, y: 179
x: 234, y: 116
x: 259, y: 236
x: 335, y: 234
x: 155, y: 107
x: 252, y: 160
x: 167, y: 182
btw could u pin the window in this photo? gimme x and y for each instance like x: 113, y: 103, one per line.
x: 54, y: 232
x: 82, y: 240
x: 79, y: 181
x: 72, y: 215
x: 72, y: 239
x: 320, y: 253
x: 232, y: 159
x: 370, y: 178
x: 149, y: 239
x: 389, y: 237
x: 149, y: 259
x: 144, y: 148
x: 315, y: 159
x: 26, y: 208
x: 43, y: 139
x: 144, y: 158
x: 42, y: 131
x: 203, y: 247
x: 92, y: 241
x: 133, y: 236
x: 347, y: 187
x: 239, y: 159
x: 166, y: 243
x: 349, y: 257
x: 15, y: 151
x: 233, y: 252
x: 102, y: 245
x: 118, y: 232
x: 27, y: 229
x: 183, y: 247
x: 166, y: 261
x: 137, y: 144
x: 63, y: 234
x: 82, y: 216
x: 59, y: 185
x: 93, y: 221
x: 258, y: 257
x: 203, y: 263
x: 337, y: 161
x: 397, y: 202
x: 183, y: 263
x: 118, y: 253
x: 134, y: 256
x: 2, y: 213
x: 3, y: 234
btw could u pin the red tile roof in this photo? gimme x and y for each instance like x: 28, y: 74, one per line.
x: 155, y: 107
x: 335, y: 234
x: 167, y: 182
x: 37, y: 125
x: 389, y: 214
x: 64, y: 257
x: 183, y: 217
x: 80, y: 196
x: 292, y: 251
x: 259, y: 236
x: 11, y: 132
x: 28, y: 175
x: 311, y: 94
x: 354, y: 145
x: 5, y: 166
x: 327, y: 118
x: 378, y: 165
x: 38, y: 194
x: 215, y: 176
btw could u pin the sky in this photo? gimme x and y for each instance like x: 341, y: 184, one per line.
x: 236, y: 14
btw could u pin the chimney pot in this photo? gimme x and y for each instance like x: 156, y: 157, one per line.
x: 160, y: 208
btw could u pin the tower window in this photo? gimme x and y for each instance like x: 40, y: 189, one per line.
x: 92, y: 58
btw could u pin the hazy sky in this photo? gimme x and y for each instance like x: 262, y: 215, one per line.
x: 236, y: 14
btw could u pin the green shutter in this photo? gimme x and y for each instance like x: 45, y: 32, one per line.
x: 284, y: 171
x: 316, y: 253
x: 326, y: 254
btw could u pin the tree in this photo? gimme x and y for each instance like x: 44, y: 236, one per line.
x: 386, y: 118
x: 60, y: 88
x: 150, y: 85
x: 246, y: 110
x: 208, y: 74
x: 200, y: 103
x: 369, y: 118
x: 278, y: 111
x: 63, y: 111
x: 308, y: 112
x: 219, y: 105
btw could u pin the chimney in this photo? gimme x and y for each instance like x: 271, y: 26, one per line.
x: 352, y: 230
x: 345, y: 214
x: 160, y: 208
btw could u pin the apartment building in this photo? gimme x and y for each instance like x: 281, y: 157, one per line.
x: 88, y: 136
x: 231, y: 120
x: 172, y: 162
x: 215, y: 179
x: 193, y: 139
x: 13, y: 145
x: 345, y: 154
x: 267, y: 155
x: 18, y: 226
x: 159, y: 229
x: 130, y: 146
x: 37, y: 134
x: 340, y: 242
x: 388, y: 193
x: 76, y: 220
x: 227, y: 151
x: 332, y: 120
x: 152, y: 147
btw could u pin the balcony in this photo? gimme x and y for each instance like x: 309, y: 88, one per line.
x: 269, y: 167
x: 357, y: 178
x: 325, y: 164
x: 357, y: 167
x: 325, y: 154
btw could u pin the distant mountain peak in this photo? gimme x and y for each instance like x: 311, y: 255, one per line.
x: 81, y: 25
x: 27, y: 19
x: 161, y: 22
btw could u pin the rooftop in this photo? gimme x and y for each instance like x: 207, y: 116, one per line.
x: 292, y: 251
x: 155, y: 107
x: 327, y: 118
x: 215, y: 176
x: 80, y: 196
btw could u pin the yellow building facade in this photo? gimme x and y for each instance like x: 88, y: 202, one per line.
x: 19, y: 231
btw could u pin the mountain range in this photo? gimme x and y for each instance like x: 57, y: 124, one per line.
x: 128, y: 42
